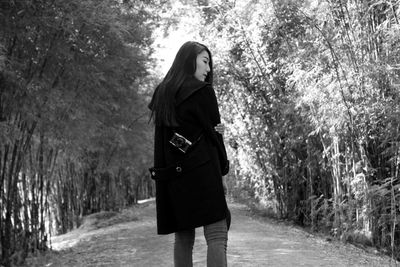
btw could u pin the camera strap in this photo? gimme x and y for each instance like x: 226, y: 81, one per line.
x: 197, y: 140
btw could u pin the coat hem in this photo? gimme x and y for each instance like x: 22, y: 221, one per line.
x: 194, y: 227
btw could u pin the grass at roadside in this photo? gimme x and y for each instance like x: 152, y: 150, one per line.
x: 90, y: 225
x: 349, y: 238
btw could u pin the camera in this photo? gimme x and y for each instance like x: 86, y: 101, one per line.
x: 180, y: 142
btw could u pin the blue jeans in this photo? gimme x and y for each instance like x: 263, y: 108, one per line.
x: 216, y: 235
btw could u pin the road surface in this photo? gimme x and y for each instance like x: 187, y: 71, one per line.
x: 131, y: 240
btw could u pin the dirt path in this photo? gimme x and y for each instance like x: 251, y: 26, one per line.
x: 252, y: 242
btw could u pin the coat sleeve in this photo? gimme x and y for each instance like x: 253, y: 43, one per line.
x: 209, y: 117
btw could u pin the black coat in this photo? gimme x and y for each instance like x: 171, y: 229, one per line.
x: 194, y: 196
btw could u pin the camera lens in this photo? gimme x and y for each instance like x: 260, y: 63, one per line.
x: 180, y: 142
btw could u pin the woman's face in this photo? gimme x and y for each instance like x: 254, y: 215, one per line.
x: 202, y: 66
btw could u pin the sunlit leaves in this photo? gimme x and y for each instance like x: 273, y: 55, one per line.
x: 310, y: 91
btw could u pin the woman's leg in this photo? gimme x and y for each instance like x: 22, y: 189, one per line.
x: 183, y: 248
x: 216, y: 235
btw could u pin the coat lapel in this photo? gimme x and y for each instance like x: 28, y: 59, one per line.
x: 189, y: 87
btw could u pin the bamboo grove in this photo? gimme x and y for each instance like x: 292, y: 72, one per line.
x: 310, y: 91
x: 71, y: 116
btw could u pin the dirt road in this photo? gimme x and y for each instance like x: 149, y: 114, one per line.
x: 252, y: 242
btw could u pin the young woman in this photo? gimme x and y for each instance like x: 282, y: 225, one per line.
x: 190, y: 157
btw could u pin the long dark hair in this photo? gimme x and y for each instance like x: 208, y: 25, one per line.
x: 162, y: 104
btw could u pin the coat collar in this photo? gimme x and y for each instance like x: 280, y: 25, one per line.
x: 189, y: 87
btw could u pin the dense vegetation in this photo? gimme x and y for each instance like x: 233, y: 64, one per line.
x: 73, y: 127
x: 309, y: 91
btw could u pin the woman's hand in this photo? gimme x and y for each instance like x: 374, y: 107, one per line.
x: 220, y: 128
